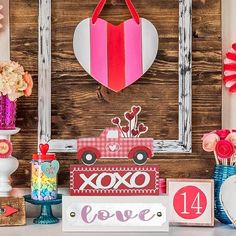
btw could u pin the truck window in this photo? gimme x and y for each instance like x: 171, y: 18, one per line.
x: 112, y: 134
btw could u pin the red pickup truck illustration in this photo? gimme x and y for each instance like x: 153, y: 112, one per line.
x: 111, y: 144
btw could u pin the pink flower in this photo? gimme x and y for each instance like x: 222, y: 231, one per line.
x: 224, y: 149
x: 232, y: 138
x: 209, y: 142
x: 28, y: 80
x: 223, y: 133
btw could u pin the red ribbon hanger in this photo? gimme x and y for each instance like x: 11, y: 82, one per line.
x: 129, y: 4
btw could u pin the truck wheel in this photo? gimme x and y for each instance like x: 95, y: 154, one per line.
x: 88, y: 158
x: 140, y: 157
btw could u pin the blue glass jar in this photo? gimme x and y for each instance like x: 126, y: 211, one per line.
x: 221, y: 173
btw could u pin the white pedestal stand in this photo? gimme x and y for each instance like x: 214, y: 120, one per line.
x: 7, y: 165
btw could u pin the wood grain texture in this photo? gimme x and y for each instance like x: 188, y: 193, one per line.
x: 19, y: 217
x: 89, y: 107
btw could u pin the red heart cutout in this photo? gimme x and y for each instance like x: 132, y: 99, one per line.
x: 115, y: 121
x: 125, y: 129
x: 134, y: 132
x: 129, y: 116
x: 43, y: 148
x: 142, y: 128
x: 136, y: 109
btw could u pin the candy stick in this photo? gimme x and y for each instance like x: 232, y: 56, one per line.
x: 216, y: 158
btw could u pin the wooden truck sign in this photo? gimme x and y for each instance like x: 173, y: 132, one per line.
x: 112, y: 144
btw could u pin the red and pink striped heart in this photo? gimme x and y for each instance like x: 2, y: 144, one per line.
x: 115, y: 56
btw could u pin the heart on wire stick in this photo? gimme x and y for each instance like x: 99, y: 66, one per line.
x: 142, y: 128
x: 115, y: 121
x: 136, y: 109
x: 125, y: 129
x: 129, y: 116
x: 228, y: 196
x: 134, y: 132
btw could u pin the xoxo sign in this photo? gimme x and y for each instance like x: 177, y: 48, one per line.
x: 114, y: 180
x: 97, y: 213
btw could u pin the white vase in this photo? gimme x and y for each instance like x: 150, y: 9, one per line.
x: 7, y: 165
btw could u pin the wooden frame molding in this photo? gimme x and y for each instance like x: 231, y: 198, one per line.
x: 184, y: 142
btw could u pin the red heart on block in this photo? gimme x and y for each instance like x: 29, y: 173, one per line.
x: 125, y: 128
x: 135, y: 132
x: 115, y: 121
x: 44, y: 148
x: 129, y: 116
x: 142, y: 128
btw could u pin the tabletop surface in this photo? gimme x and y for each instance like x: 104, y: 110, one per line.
x: 51, y: 230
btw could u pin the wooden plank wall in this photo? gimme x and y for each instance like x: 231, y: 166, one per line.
x: 81, y: 107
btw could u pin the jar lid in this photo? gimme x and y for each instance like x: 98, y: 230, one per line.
x: 44, y: 156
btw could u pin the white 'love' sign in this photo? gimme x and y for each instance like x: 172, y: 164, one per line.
x: 106, y: 213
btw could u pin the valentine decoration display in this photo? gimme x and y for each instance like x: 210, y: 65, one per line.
x: 128, y: 213
x: 221, y: 174
x: 115, y: 56
x: 14, y: 83
x: 223, y: 144
x: 8, y: 163
x: 1, y: 16
x: 46, y: 216
x: 12, y: 211
x: 44, y: 175
x: 118, y: 142
x: 227, y: 198
x: 191, y: 201
x: 230, y: 69
x: 120, y: 180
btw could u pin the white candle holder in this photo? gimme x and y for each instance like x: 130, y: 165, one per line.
x: 8, y: 164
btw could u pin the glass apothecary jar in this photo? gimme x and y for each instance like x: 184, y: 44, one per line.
x: 44, y: 169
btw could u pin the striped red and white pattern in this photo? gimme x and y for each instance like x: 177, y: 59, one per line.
x: 116, y: 56
x: 230, y: 69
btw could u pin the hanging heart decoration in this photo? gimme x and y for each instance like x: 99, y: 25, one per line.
x: 115, y: 55
x: 227, y: 197
x: 230, y: 69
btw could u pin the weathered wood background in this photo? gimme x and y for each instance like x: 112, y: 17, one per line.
x: 81, y: 107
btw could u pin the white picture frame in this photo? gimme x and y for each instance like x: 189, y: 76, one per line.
x: 184, y: 142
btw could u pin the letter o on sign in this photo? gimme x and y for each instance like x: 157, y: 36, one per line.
x: 103, y: 175
x: 135, y: 176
